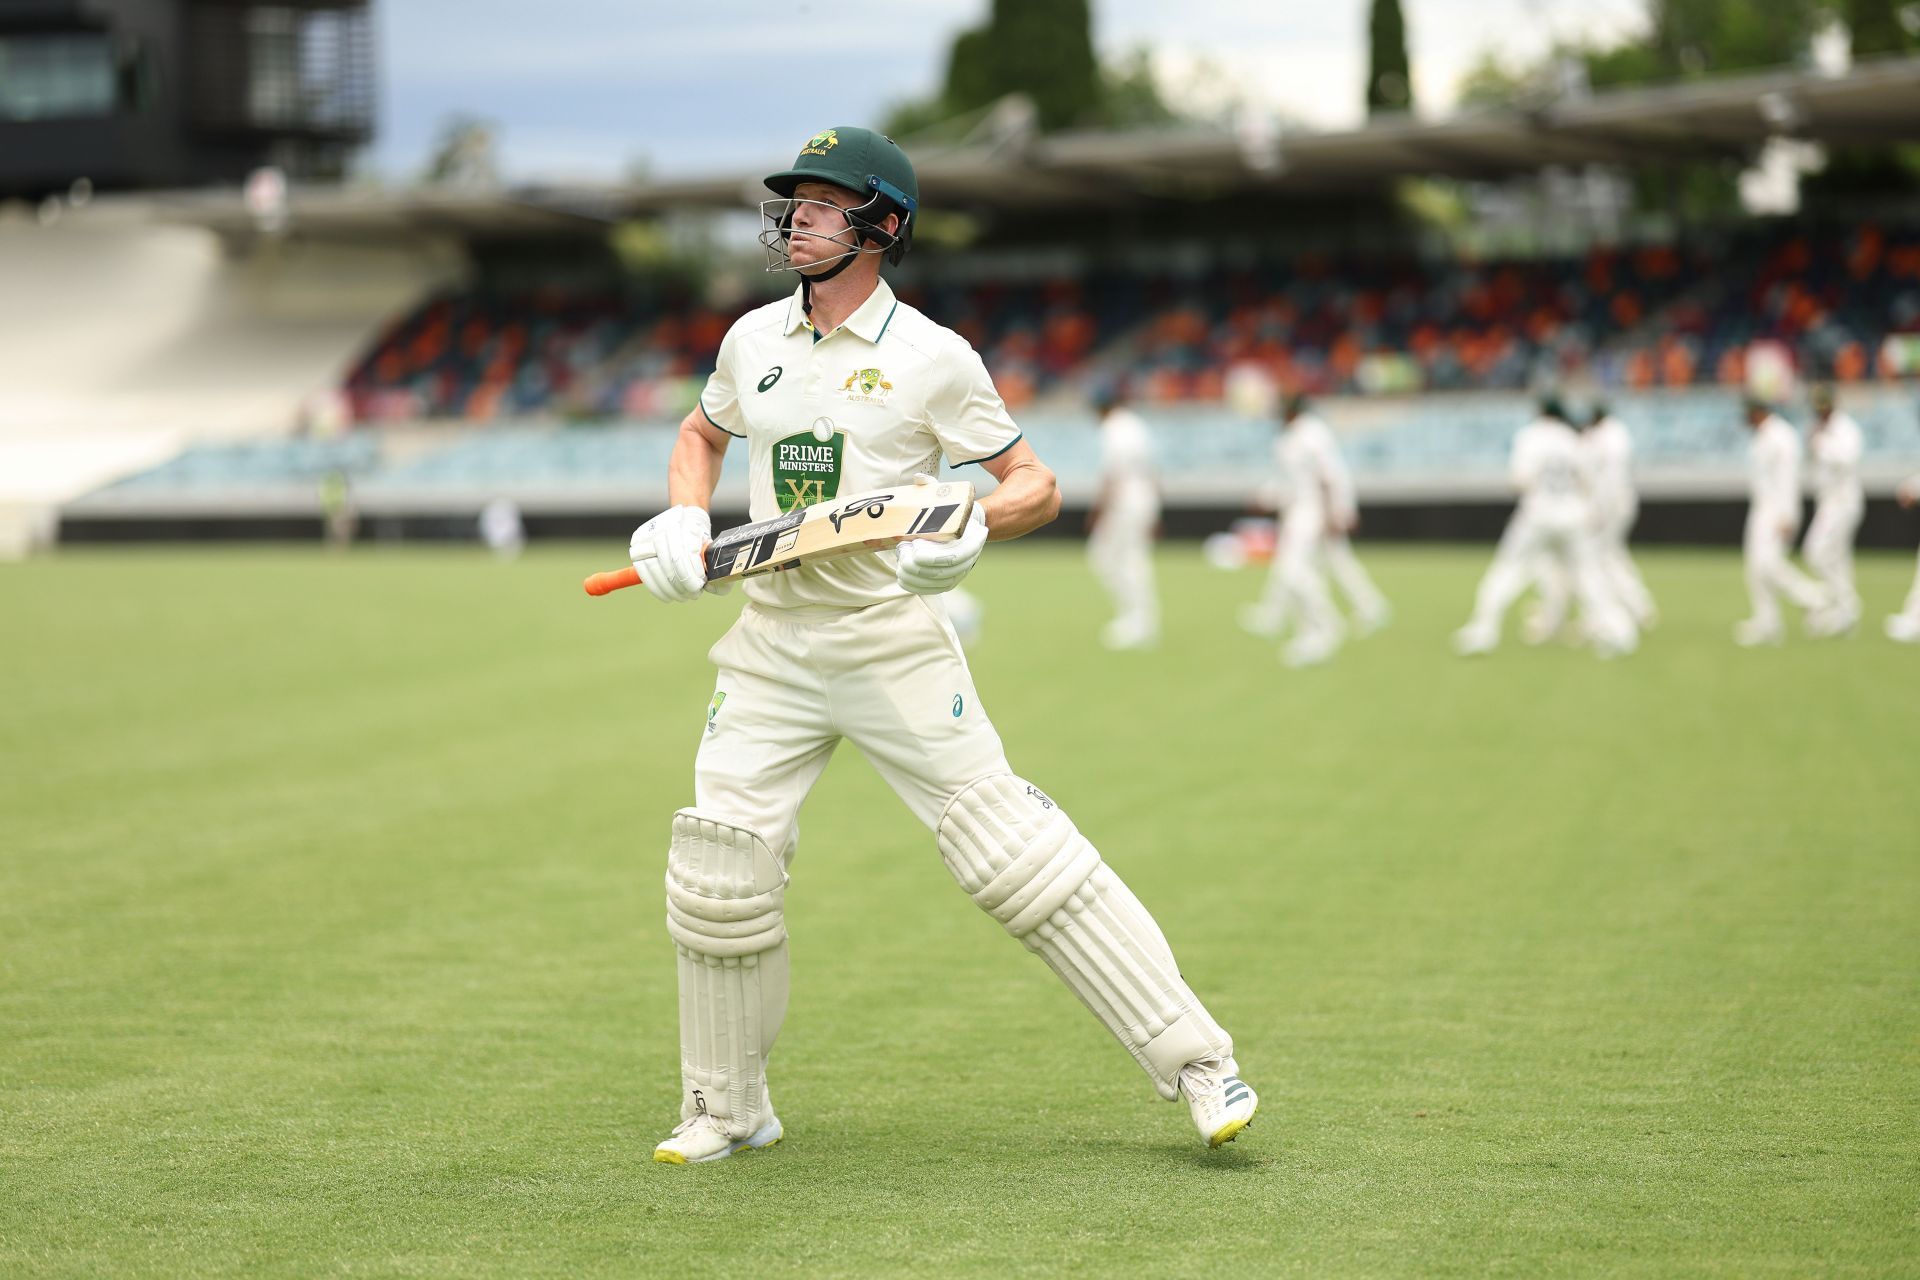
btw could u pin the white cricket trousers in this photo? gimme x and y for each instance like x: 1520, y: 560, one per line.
x: 1531, y: 548
x: 1121, y: 551
x: 1351, y: 577
x: 1911, y: 609
x: 892, y: 679
x: 1829, y: 549
x: 1617, y: 570
x: 1616, y: 562
x: 1296, y: 586
x: 1770, y: 574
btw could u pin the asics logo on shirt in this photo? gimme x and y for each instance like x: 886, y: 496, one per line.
x: 772, y: 376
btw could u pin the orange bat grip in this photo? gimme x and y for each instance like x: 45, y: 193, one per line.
x: 612, y: 580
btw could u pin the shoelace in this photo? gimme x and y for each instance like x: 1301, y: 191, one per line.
x: 1197, y: 1083
x: 686, y: 1125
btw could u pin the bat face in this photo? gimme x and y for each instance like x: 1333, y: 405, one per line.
x: 847, y: 524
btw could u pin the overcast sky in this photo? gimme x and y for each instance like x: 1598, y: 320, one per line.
x: 585, y: 88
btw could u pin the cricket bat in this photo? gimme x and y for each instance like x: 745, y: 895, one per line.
x: 842, y: 526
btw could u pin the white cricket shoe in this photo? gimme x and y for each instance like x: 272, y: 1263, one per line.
x: 1471, y: 641
x: 700, y: 1139
x: 1310, y: 650
x: 1261, y: 621
x: 1369, y: 621
x: 1221, y: 1102
x: 1832, y: 623
x: 1537, y: 629
x: 1752, y: 634
x: 1903, y: 628
x: 1124, y: 636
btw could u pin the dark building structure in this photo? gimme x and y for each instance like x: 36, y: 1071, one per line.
x: 132, y: 94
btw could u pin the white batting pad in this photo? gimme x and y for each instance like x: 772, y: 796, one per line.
x: 1024, y: 862
x: 724, y: 894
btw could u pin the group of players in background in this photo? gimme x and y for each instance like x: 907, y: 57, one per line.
x: 1566, y: 540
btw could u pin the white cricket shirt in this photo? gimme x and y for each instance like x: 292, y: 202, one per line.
x: 1773, y: 462
x: 1315, y: 477
x: 1835, y: 455
x: 1547, y: 471
x: 887, y: 394
x: 1608, y: 448
x: 1126, y: 462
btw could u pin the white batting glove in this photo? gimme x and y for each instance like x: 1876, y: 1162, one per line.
x: 668, y: 551
x: 928, y: 568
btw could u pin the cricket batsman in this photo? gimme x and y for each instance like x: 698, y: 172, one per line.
x: 843, y: 387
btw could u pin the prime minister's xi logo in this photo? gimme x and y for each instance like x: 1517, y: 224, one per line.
x: 866, y: 386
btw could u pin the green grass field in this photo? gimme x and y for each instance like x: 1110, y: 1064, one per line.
x: 331, y: 940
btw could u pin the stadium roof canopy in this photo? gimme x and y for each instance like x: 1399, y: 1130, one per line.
x: 1876, y: 101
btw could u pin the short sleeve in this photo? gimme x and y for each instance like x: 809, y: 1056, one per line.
x: 1852, y: 446
x: 967, y: 414
x: 720, y: 398
x: 1525, y: 459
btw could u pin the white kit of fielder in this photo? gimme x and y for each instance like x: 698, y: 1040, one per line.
x: 1834, y: 449
x: 1369, y: 608
x: 1121, y: 545
x: 1315, y: 483
x: 1552, y: 527
x: 1904, y: 626
x: 1606, y: 456
x: 1773, y: 517
x: 859, y: 648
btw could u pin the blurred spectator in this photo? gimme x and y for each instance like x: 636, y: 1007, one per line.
x: 1664, y: 315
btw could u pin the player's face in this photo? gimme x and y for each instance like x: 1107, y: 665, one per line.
x: 818, y: 212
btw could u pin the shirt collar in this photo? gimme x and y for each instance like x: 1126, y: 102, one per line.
x: 869, y: 320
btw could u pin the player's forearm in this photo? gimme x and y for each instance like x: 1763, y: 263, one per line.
x: 1028, y: 497
x: 694, y: 468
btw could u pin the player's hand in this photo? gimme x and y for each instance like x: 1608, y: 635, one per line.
x: 668, y: 551
x: 1908, y: 493
x: 928, y: 568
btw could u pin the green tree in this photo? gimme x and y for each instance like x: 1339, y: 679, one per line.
x: 1490, y: 82
x: 1875, y: 26
x: 1389, y: 76
x: 1867, y: 172
x: 1044, y: 50
x: 1130, y: 95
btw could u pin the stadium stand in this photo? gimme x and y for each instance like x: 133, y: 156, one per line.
x: 1678, y: 315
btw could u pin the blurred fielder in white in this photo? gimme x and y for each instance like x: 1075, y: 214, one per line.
x: 1606, y: 454
x: 1904, y: 626
x: 502, y: 529
x: 1124, y: 518
x: 1835, y: 445
x: 1773, y: 517
x: 1550, y: 532
x: 1369, y: 608
x: 1315, y: 488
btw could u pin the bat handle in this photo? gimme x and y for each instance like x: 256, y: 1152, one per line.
x: 612, y: 580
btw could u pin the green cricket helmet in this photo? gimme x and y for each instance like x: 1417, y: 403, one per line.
x: 864, y: 162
